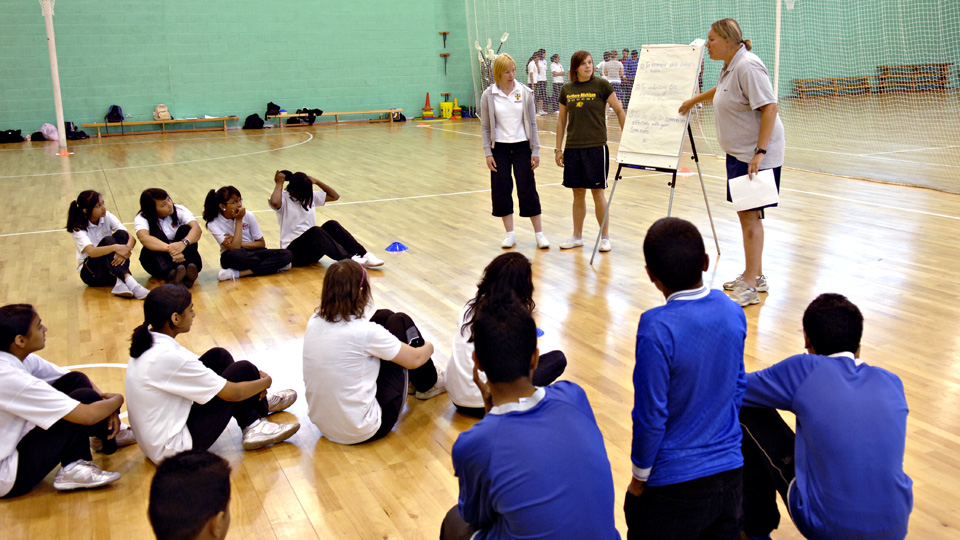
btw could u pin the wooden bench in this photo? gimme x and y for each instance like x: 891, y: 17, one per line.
x: 913, y: 77
x: 122, y: 126
x: 831, y: 86
x: 336, y: 117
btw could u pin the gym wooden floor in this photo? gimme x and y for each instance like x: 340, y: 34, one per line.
x: 891, y: 249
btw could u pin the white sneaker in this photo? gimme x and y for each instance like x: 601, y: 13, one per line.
x: 281, y: 400
x: 121, y: 289
x: 226, y: 274
x: 509, y: 240
x: 542, y: 241
x: 744, y: 295
x: 605, y: 244
x: 438, y: 388
x: 140, y: 292
x: 82, y: 474
x: 262, y: 433
x: 762, y: 285
x: 125, y: 437
x: 362, y: 261
x: 285, y: 268
x: 572, y: 242
x: 372, y: 261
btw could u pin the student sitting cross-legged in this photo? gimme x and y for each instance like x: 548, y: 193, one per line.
x: 190, y: 497
x: 841, y: 475
x: 535, y: 466
x: 47, y: 413
x: 169, y: 234
x: 180, y: 401
x: 688, y: 384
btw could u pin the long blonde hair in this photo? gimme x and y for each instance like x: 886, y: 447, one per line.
x: 730, y: 30
x: 501, y: 64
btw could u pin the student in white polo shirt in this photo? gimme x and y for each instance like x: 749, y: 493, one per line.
x: 356, y: 370
x: 103, y: 245
x: 508, y: 128
x: 47, y: 413
x: 295, y: 207
x: 243, y: 252
x: 180, y: 401
x: 169, y: 234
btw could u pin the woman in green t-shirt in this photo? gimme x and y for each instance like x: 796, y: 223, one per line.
x: 586, y: 158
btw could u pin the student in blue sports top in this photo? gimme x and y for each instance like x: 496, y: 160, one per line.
x: 842, y: 475
x: 688, y: 385
x: 535, y: 466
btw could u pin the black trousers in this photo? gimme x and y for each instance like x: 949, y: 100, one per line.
x: 207, y: 421
x: 768, y: 467
x: 65, y: 442
x: 100, y: 271
x: 392, y: 379
x: 454, y: 527
x: 514, y: 156
x: 262, y: 261
x: 159, y: 263
x: 540, y: 94
x: 549, y: 368
x: 555, y: 103
x: 704, y: 508
x: 329, y: 239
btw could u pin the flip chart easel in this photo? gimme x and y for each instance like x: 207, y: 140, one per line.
x: 653, y: 131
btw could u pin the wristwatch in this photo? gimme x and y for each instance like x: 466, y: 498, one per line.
x: 186, y: 242
x: 759, y: 150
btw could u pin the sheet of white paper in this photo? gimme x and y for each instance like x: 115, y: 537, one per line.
x: 756, y: 193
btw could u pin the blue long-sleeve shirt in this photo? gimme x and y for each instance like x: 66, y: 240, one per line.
x: 688, y: 384
x: 851, y: 432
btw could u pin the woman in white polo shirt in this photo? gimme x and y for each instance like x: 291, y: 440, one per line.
x: 169, y: 234
x: 508, y: 126
x: 179, y: 401
x: 750, y: 132
x: 295, y: 207
x: 243, y: 252
x: 356, y: 370
x: 103, y: 245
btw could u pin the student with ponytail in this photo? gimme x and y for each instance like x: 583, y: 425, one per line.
x: 180, y: 401
x: 103, y: 245
x: 356, y: 370
x: 298, y: 223
x: 242, y: 248
x: 508, y: 279
x: 169, y: 234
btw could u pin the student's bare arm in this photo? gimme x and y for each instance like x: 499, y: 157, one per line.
x: 332, y: 194
x: 413, y: 357
x: 89, y: 414
x: 275, y: 199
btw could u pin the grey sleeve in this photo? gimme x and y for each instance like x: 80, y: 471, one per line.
x: 533, y: 136
x: 756, y: 86
x: 486, y: 109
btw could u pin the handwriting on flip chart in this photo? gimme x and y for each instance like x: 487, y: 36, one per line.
x: 666, y: 76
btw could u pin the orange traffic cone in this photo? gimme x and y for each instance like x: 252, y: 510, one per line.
x: 427, y: 109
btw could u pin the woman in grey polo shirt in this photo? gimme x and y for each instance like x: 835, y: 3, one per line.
x: 750, y: 132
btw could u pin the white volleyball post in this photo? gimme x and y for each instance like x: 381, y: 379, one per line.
x: 47, y: 7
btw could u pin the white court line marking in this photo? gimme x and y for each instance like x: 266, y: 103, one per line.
x: 309, y: 135
x: 85, y: 366
x: 869, y: 154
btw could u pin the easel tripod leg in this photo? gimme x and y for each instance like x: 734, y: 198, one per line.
x: 606, y: 214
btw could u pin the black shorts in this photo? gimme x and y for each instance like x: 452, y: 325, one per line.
x: 736, y: 168
x: 586, y: 167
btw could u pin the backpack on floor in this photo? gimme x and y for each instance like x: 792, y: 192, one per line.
x: 399, y: 117
x: 50, y: 132
x: 162, y: 113
x: 72, y: 133
x: 10, y: 136
x: 253, y: 122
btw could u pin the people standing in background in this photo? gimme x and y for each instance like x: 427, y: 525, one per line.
x: 613, y: 72
x: 556, y: 69
x: 629, y: 76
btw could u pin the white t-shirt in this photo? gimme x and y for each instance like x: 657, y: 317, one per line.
x: 93, y: 234
x: 611, y: 70
x: 542, y: 67
x: 459, y: 378
x: 166, y: 224
x: 341, y: 362
x: 508, y: 109
x: 26, y: 401
x: 294, y: 220
x: 222, y: 227
x: 557, y: 67
x: 534, y: 75
x: 161, y: 386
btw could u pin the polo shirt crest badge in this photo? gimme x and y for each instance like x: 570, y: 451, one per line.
x: 517, y: 96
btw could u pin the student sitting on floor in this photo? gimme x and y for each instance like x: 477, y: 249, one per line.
x: 47, y: 413
x: 842, y: 475
x: 688, y: 384
x: 356, y: 370
x: 242, y: 248
x: 535, y: 466
x: 190, y: 497
x: 298, y: 223
x: 508, y: 278
x: 180, y: 401
x: 103, y: 245
x: 169, y: 234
